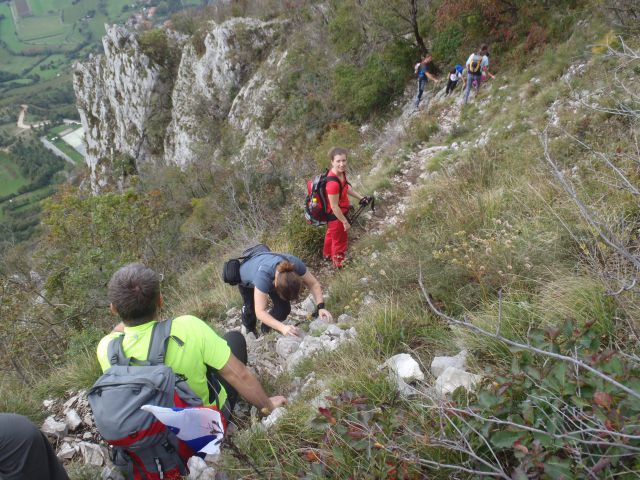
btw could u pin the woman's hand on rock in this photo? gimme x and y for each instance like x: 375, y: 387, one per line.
x: 325, y: 315
x: 289, y: 331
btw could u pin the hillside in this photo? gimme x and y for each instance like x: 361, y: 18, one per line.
x: 505, y: 228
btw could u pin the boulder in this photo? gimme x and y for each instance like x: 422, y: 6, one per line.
x: 92, y: 454
x: 274, y: 417
x: 309, y: 305
x: 404, y: 367
x: 72, y: 419
x: 66, y: 452
x: 285, y: 346
x: 453, y: 378
x: 310, y: 345
x: 111, y: 473
x: 48, y: 404
x: 54, y: 428
x: 440, y: 364
x: 318, y: 325
x: 233, y: 312
x: 196, y: 466
x: 345, y: 318
x: 369, y: 299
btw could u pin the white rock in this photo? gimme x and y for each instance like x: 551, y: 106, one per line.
x: 88, y: 420
x: 320, y: 401
x: 66, y: 451
x: 404, y: 367
x: 274, y: 417
x: 71, y: 402
x: 369, y: 300
x: 440, y: 364
x: 233, y: 312
x: 54, y: 428
x: 196, y: 466
x: 294, y: 359
x: 92, y: 454
x: 453, y: 378
x: 345, y: 318
x: 72, y: 419
x: 111, y: 473
x: 285, y: 346
x: 318, y: 325
x: 87, y: 436
x: 48, y: 403
x: 310, y: 345
x: 309, y: 305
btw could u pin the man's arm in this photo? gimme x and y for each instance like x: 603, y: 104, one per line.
x: 260, y: 301
x: 239, y: 377
x: 432, y: 77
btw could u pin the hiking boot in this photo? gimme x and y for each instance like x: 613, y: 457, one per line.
x: 249, y: 320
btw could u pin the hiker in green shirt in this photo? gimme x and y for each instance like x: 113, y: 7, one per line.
x: 214, y: 366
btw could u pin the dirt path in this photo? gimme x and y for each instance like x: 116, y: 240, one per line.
x: 20, y: 123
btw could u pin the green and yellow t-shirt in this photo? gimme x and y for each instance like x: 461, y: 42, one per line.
x: 201, y: 347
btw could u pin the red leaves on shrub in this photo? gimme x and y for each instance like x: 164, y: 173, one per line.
x: 325, y: 412
x: 603, y: 399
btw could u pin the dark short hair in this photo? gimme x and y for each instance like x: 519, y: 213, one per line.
x: 484, y: 47
x: 335, y: 151
x: 134, y: 290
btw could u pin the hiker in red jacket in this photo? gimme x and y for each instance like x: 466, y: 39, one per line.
x: 335, y: 242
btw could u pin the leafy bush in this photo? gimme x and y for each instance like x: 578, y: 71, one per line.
x: 363, y: 90
x: 550, y: 418
x: 446, y: 44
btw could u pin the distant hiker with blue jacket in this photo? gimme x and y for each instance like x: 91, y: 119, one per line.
x: 476, y: 62
x: 425, y: 70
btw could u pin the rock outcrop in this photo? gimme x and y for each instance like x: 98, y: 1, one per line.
x: 143, y: 106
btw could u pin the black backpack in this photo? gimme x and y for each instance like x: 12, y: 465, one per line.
x: 317, y: 201
x: 231, y: 268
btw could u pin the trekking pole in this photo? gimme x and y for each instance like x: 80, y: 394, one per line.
x: 354, y: 216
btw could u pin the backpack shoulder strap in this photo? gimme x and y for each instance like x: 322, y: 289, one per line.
x: 333, y: 178
x: 115, y: 352
x: 158, y: 344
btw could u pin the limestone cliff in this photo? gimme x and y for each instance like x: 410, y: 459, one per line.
x: 140, y: 111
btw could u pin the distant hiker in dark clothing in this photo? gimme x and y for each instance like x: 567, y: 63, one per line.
x: 25, y: 453
x: 425, y: 70
x: 454, y: 76
x: 280, y: 277
x: 475, y: 63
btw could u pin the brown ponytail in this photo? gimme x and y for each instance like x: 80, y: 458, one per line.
x: 289, y: 283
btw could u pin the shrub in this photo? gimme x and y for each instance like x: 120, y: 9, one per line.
x: 550, y: 418
x: 342, y: 134
x: 296, y: 236
x: 446, y: 44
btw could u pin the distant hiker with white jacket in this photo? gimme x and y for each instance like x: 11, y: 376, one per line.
x: 475, y: 64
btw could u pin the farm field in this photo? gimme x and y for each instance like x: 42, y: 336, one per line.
x: 10, y: 177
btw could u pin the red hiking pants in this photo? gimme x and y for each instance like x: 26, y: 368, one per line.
x: 335, y: 242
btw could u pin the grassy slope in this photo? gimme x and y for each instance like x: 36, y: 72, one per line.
x: 491, y: 219
x: 477, y: 194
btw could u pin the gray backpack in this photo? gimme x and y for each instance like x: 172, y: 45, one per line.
x: 142, y: 447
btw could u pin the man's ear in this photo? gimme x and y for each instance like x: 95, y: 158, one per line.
x: 113, y: 309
